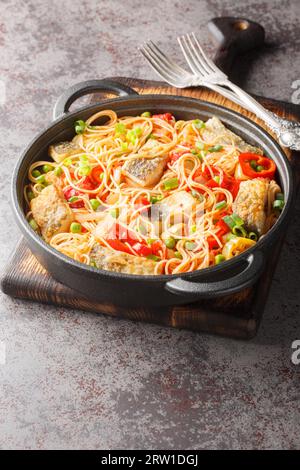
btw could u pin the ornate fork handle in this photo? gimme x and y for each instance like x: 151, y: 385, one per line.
x: 288, y: 132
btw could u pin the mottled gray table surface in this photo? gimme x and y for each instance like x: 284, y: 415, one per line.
x: 76, y: 380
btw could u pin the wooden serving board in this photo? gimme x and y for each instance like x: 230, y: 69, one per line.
x: 237, y: 316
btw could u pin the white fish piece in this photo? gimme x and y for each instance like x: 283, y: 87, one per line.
x: 117, y: 261
x: 63, y: 150
x: 51, y: 212
x: 251, y: 204
x: 216, y: 131
x: 145, y: 172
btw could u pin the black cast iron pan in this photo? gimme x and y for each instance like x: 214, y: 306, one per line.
x: 131, y: 290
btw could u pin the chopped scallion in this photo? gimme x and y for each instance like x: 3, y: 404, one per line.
x: 172, y: 183
x: 154, y: 199
x: 199, y: 124
x: 120, y: 129
x: 253, y: 236
x: 80, y: 127
x: 278, y: 204
x: 221, y: 205
x: 239, y: 231
x: 219, y: 259
x: 84, y: 170
x: 33, y: 224
x: 153, y: 257
x: 216, y: 148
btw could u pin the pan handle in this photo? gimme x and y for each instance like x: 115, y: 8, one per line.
x: 68, y: 97
x: 207, y: 290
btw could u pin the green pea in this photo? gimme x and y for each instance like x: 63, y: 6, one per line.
x: 190, y: 246
x: 58, y: 171
x: 146, y: 114
x: 41, y: 179
x: 95, y: 204
x: 30, y: 195
x: 178, y: 255
x: 46, y: 168
x: 170, y: 242
x: 75, y: 227
x: 36, y: 173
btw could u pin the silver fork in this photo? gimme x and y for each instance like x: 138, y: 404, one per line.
x: 288, y: 132
x: 176, y: 75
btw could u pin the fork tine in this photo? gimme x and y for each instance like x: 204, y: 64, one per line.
x: 200, y: 59
x: 186, y: 52
x: 162, y: 73
x: 199, y: 64
x: 166, y: 59
x: 209, y: 62
x: 161, y: 64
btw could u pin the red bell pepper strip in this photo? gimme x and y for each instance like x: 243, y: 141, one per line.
x: 142, y: 203
x: 255, y: 166
x: 168, y: 117
x: 142, y: 249
x: 119, y: 245
x: 71, y: 192
x: 96, y: 173
x: 88, y: 184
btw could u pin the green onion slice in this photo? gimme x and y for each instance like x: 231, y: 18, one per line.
x: 216, y: 148
x: 153, y: 257
x: 219, y: 259
x: 239, y: 231
x: 221, y: 205
x: 278, y: 204
x: 172, y: 183
x: 80, y: 127
x: 253, y: 236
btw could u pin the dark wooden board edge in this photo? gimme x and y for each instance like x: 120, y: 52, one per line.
x: 30, y: 281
